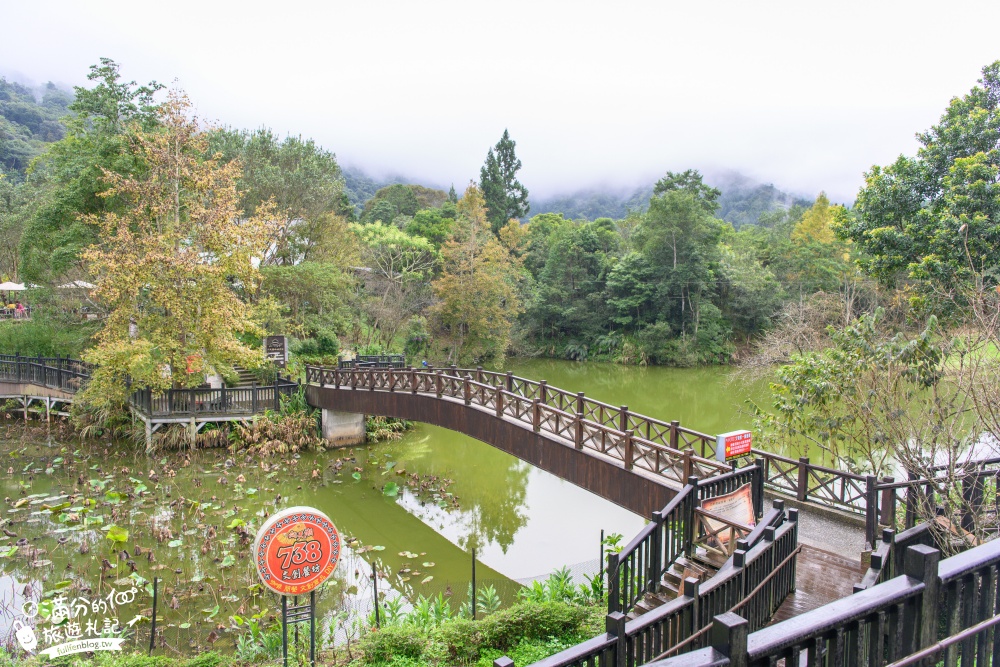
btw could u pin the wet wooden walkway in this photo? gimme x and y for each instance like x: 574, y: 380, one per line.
x: 820, y: 578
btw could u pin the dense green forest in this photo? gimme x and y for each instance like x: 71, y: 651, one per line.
x: 683, y: 271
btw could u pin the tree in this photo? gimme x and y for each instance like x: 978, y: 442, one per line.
x: 312, y: 296
x: 452, y: 195
x: 679, y: 239
x: 477, y: 291
x: 503, y: 194
x: 302, y: 179
x: 689, y: 181
x: 395, y: 275
x: 935, y: 217
x: 172, y: 264
x: 100, y: 138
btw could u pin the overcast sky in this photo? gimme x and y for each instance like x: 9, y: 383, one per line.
x: 802, y: 94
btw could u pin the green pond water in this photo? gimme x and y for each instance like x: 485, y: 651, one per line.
x: 454, y: 495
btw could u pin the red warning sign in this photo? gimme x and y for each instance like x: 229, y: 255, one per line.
x: 296, y: 550
x: 732, y: 445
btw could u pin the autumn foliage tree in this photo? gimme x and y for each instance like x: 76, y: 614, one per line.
x: 477, y: 291
x: 174, y: 264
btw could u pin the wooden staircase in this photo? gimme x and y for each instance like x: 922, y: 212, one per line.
x: 246, y: 377
x: 701, y: 565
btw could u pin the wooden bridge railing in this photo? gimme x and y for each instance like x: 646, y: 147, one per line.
x: 584, y: 423
x: 250, y: 400
x: 887, y: 555
x: 755, y: 581
x: 70, y: 375
x: 934, y: 612
x: 53, y: 372
x: 673, y: 531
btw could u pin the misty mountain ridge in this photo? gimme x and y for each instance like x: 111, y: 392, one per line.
x: 742, y: 201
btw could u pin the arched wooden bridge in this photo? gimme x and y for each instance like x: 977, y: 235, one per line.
x: 635, y: 461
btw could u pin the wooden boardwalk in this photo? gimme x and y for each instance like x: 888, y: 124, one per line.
x: 820, y: 578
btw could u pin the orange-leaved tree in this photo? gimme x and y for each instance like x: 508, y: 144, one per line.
x: 477, y: 291
x: 175, y: 267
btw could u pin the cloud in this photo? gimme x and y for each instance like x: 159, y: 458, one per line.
x: 591, y: 91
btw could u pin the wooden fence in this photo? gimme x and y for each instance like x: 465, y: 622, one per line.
x: 754, y: 582
x: 933, y: 612
x: 229, y: 401
x: 584, y: 423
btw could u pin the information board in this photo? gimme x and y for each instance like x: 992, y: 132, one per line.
x: 276, y: 350
x: 732, y: 445
x: 296, y: 550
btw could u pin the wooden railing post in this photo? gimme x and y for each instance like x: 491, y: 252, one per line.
x: 758, y: 492
x: 614, y: 624
x: 17, y: 364
x: 623, y: 418
x: 438, y: 383
x: 498, y: 400
x: 911, y: 501
x: 253, y: 397
x: 674, y: 434
x: 578, y: 431
x: 921, y: 562
x: 479, y: 374
x: 802, y: 490
x: 729, y: 637
x: 392, y: 379
x: 536, y: 415
x: 690, y: 507
x: 629, y: 449
x: 688, y: 464
x: 413, y: 380
x: 222, y: 399
x: 509, y: 381
x: 972, y: 498
x: 542, y: 393
x: 871, y: 509
x: 579, y: 402
x: 887, y: 516
x: 277, y: 397
x: 656, y: 555
x: 354, y: 378
x: 692, y: 589
x: 467, y: 391
x: 614, y: 587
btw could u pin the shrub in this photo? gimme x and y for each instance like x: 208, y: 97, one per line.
x: 397, y: 641
x: 530, y: 620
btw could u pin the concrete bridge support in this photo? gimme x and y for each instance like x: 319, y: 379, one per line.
x: 343, y: 429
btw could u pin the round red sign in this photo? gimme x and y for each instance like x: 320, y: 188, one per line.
x: 296, y: 550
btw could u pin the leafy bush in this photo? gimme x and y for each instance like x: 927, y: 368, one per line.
x: 530, y: 620
x: 391, y: 642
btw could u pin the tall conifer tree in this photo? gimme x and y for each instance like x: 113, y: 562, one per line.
x: 504, y: 195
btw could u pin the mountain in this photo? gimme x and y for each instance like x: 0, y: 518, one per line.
x: 743, y: 200
x: 28, y: 122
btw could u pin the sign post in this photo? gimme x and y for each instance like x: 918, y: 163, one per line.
x: 732, y: 445
x: 295, y: 551
x: 276, y: 350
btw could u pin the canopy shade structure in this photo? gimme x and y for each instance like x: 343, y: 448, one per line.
x: 76, y: 284
x: 12, y: 287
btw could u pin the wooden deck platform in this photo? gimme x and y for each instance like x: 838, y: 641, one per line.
x: 820, y: 578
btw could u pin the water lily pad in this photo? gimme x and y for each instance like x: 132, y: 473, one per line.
x: 427, y: 579
x: 428, y: 564
x: 391, y: 489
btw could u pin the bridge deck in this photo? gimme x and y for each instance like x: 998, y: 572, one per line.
x: 820, y: 578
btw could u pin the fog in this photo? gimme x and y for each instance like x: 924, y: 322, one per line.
x: 801, y: 95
